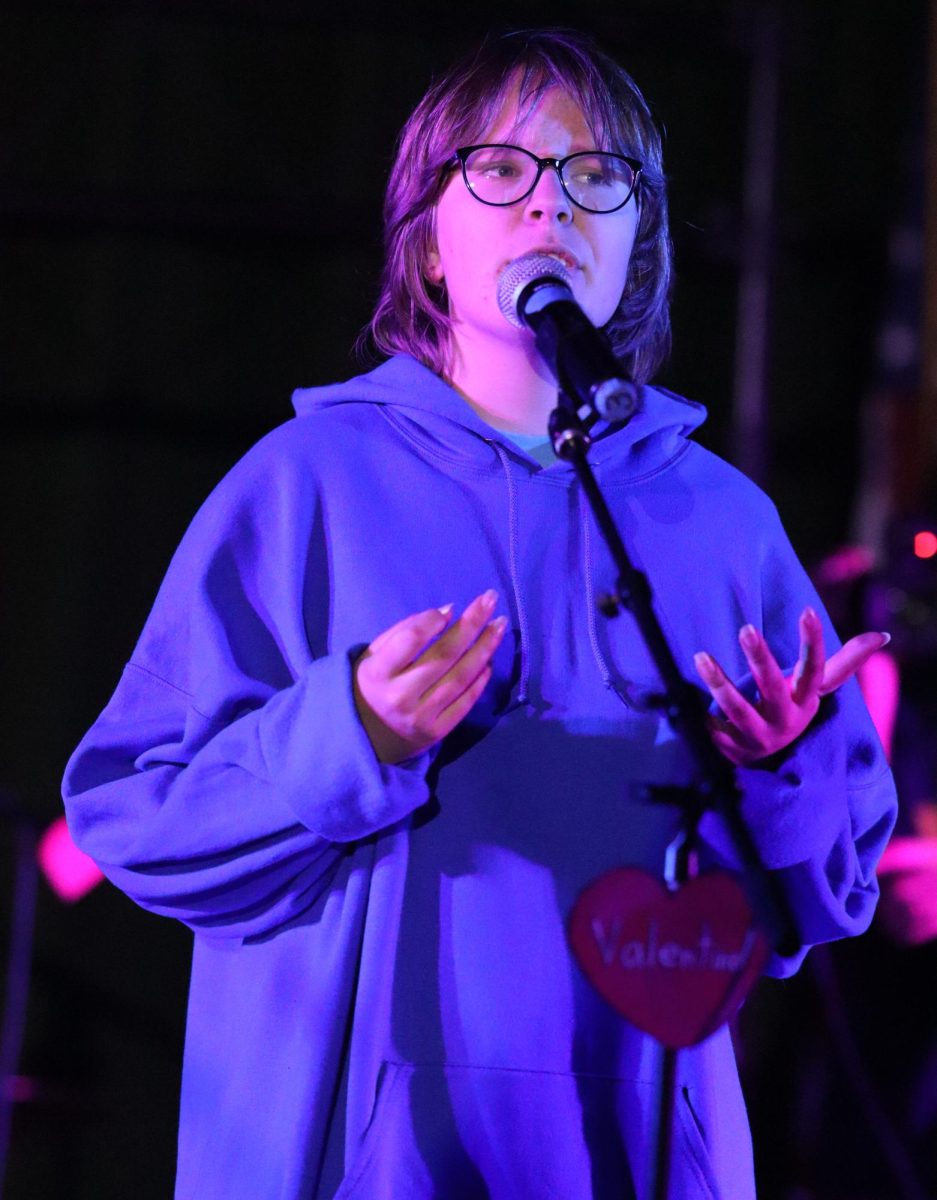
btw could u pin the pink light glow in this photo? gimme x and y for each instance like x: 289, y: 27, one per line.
x: 925, y: 544
x: 70, y: 872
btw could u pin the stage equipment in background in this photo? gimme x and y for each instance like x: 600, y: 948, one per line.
x: 71, y: 874
x: 19, y: 962
x: 753, y: 310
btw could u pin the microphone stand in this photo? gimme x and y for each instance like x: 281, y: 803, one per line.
x: 685, y: 710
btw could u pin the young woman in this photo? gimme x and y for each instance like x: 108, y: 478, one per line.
x: 374, y: 740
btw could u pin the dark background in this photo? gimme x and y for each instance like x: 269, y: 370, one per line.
x: 189, y: 228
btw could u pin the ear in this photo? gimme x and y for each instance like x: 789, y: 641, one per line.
x: 433, y: 267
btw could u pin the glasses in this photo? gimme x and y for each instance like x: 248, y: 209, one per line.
x: 595, y: 180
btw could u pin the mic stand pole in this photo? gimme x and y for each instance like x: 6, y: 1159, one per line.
x: 685, y: 710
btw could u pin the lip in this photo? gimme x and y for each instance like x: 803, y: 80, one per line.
x: 565, y: 255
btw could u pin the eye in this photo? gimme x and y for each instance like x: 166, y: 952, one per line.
x: 495, y: 166
x: 501, y: 170
x: 590, y: 177
x: 599, y: 172
x: 594, y: 171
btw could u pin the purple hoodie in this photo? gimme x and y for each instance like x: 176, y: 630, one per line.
x: 383, y: 1002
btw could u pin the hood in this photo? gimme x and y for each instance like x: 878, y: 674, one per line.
x: 434, y: 413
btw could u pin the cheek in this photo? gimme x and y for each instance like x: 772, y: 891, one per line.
x: 624, y: 245
x: 449, y: 236
x: 617, y: 259
x: 463, y: 263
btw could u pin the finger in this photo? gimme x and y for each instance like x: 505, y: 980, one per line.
x: 845, y: 662
x: 768, y: 676
x: 808, y: 674
x: 463, y: 673
x: 459, y: 709
x: 395, y: 649
x: 733, y: 704
x: 444, y: 610
x: 442, y: 654
x: 732, y: 742
x: 727, y: 742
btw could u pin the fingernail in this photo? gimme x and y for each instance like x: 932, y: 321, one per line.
x: 886, y: 638
x: 445, y: 610
x: 705, y: 665
x: 498, y: 625
x: 489, y: 598
x: 748, y: 636
x: 811, y: 614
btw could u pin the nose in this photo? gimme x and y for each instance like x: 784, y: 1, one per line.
x: 548, y: 201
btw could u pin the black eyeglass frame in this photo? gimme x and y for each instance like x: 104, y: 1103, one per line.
x: 461, y: 155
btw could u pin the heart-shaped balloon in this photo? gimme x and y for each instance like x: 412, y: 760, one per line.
x: 676, y: 964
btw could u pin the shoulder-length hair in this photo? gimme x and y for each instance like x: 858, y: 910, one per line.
x: 412, y: 315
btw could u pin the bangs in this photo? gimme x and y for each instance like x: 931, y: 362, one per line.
x: 485, y: 92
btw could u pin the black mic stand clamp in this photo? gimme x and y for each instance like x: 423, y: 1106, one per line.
x: 685, y: 709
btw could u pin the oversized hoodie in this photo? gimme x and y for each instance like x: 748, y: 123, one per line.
x: 383, y: 1002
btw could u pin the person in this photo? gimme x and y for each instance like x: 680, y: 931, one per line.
x: 374, y: 741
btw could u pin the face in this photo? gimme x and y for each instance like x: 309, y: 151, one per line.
x: 475, y: 241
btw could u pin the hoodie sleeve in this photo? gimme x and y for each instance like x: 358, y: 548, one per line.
x: 820, y: 812
x: 229, y: 773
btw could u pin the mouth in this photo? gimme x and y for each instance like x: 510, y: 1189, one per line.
x: 561, y: 255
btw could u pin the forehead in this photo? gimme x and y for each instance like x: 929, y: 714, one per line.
x: 546, y: 113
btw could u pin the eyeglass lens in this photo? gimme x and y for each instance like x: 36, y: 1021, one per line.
x: 503, y: 174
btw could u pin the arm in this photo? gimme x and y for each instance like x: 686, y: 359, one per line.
x: 243, y: 754
x: 230, y: 771
x: 234, y: 828
x: 817, y: 792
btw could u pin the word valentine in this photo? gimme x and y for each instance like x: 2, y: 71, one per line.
x: 706, y: 954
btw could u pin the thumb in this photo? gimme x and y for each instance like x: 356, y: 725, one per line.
x: 846, y: 661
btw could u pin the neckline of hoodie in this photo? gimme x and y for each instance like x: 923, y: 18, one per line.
x: 412, y: 431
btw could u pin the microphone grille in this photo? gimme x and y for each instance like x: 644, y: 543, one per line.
x: 517, y: 274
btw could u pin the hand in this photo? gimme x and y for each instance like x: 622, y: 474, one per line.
x: 787, y: 705
x: 418, y: 679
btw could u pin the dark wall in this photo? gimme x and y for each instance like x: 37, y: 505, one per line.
x: 189, y: 228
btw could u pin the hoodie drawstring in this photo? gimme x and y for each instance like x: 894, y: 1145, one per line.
x: 522, y: 624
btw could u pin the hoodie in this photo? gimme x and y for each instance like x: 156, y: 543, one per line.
x: 383, y: 1002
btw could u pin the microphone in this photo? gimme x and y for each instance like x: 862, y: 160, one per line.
x: 535, y: 291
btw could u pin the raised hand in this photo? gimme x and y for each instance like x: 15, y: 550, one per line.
x: 418, y: 679
x: 787, y: 704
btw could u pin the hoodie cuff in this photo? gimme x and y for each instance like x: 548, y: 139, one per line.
x: 319, y: 754
x: 794, y: 804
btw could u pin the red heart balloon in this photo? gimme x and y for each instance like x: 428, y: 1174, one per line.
x: 676, y: 964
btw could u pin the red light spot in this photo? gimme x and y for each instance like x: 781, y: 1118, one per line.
x: 925, y: 544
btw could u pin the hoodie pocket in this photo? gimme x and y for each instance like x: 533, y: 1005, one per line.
x: 476, y: 1133
x: 369, y: 1165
